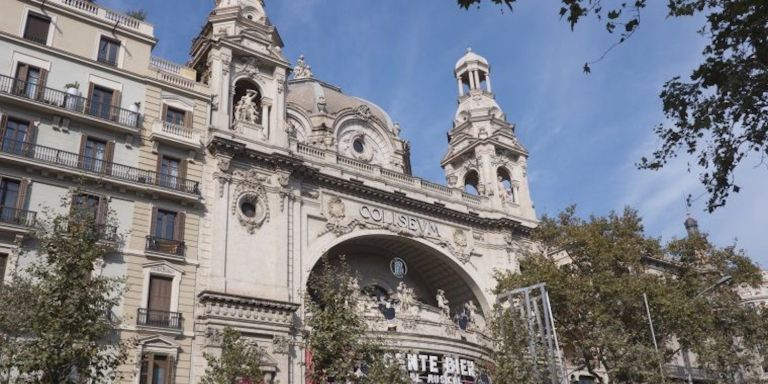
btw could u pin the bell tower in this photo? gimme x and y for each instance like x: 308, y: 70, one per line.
x: 239, y: 55
x: 484, y: 156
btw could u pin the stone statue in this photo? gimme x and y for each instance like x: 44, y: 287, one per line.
x: 470, y: 309
x: 302, y: 70
x: 246, y: 110
x: 405, y: 297
x: 504, y: 193
x: 359, y: 300
x: 442, y: 303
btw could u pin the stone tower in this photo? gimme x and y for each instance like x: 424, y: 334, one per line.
x: 484, y: 156
x: 239, y: 55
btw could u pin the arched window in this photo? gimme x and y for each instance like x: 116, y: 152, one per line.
x: 505, y: 188
x: 471, y: 182
x: 246, y: 103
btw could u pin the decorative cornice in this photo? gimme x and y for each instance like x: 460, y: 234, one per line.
x: 308, y: 172
x: 243, y: 308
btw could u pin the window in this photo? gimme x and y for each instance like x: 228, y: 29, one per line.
x: 15, y: 135
x: 156, y: 369
x: 30, y: 81
x: 175, y: 116
x: 165, y: 225
x: 170, y: 171
x: 101, y: 102
x: 108, y: 50
x: 91, y: 205
x: 3, y: 266
x: 9, y: 197
x: 37, y: 28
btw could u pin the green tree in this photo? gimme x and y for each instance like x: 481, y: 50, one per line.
x: 720, y: 113
x: 337, y: 334
x: 238, y: 360
x: 54, y: 314
x: 597, y: 271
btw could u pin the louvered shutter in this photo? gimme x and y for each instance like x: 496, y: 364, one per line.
x: 81, y: 158
x: 153, y: 222
x: 115, y: 106
x: 164, y: 116
x: 171, y: 371
x: 21, y: 75
x: 181, y: 180
x: 101, y: 211
x: 188, y: 118
x: 89, y: 103
x: 109, y: 155
x: 41, y: 84
x: 3, y: 123
x: 178, y: 227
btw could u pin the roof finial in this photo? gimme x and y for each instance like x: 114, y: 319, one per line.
x: 691, y: 226
x: 469, y: 49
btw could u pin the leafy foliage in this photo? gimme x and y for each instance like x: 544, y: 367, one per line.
x: 238, y: 360
x: 54, y: 314
x: 720, y: 115
x: 337, y: 334
x: 138, y: 14
x: 597, y: 271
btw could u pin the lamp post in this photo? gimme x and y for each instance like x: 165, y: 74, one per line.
x: 686, y: 358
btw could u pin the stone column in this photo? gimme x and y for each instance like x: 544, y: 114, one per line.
x: 477, y: 78
x: 472, y: 83
x: 488, y: 82
x: 461, y: 88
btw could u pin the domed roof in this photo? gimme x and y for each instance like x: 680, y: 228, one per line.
x: 307, y: 93
x: 470, y: 57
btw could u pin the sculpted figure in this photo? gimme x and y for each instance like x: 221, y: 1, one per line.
x: 442, y: 303
x: 246, y: 110
x: 470, y: 309
x: 302, y: 70
x: 405, y: 297
x: 504, y: 193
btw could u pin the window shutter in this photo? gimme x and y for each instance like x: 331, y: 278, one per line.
x: 22, y: 198
x: 21, y: 74
x: 109, y: 156
x: 101, y: 211
x: 90, y: 97
x: 153, y: 222
x: 182, y: 171
x: 188, y: 118
x: 178, y: 227
x: 115, y: 104
x: 31, y: 135
x: 171, y: 370
x: 41, y: 84
x: 146, y: 368
x: 164, y: 116
x: 3, y: 123
x: 80, y: 159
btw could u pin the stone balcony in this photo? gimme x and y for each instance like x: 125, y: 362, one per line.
x: 177, y: 135
x: 119, y: 20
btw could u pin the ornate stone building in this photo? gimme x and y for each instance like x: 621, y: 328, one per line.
x: 295, y: 169
x: 230, y: 178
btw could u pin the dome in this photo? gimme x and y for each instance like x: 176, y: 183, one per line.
x: 307, y: 93
x: 470, y: 57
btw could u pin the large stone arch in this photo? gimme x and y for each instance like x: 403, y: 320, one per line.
x: 468, y: 276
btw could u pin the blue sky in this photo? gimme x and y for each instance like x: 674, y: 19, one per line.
x: 584, y: 132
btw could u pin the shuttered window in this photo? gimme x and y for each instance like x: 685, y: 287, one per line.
x: 156, y: 369
x: 108, y: 50
x: 3, y: 266
x: 37, y: 28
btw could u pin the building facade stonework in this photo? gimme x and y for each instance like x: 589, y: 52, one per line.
x: 231, y: 177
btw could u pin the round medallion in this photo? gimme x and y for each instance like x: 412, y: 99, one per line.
x: 398, y: 267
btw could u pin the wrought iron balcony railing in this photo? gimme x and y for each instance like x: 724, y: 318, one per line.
x: 15, y: 216
x: 97, y: 166
x: 171, y: 247
x: 71, y: 103
x: 159, y: 319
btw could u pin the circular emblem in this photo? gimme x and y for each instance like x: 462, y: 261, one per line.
x: 398, y: 267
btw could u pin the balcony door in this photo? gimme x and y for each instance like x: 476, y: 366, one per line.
x: 159, y: 301
x: 15, y: 134
x: 103, y: 102
x: 96, y: 155
x: 9, y: 197
x: 30, y: 81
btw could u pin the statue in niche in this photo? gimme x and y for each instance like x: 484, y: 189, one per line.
x: 470, y: 309
x: 504, y: 193
x: 442, y: 303
x: 359, y: 300
x: 302, y: 70
x: 405, y: 298
x: 246, y: 110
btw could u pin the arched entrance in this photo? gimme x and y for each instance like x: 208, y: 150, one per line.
x: 375, y: 259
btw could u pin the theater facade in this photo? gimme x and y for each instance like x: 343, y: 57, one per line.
x: 232, y: 175
x: 296, y: 169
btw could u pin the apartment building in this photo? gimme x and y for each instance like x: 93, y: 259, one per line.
x: 90, y: 116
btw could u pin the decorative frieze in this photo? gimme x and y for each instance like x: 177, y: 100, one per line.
x: 238, y: 308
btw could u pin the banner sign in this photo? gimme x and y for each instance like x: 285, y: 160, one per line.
x: 439, y: 369
x: 383, y: 216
